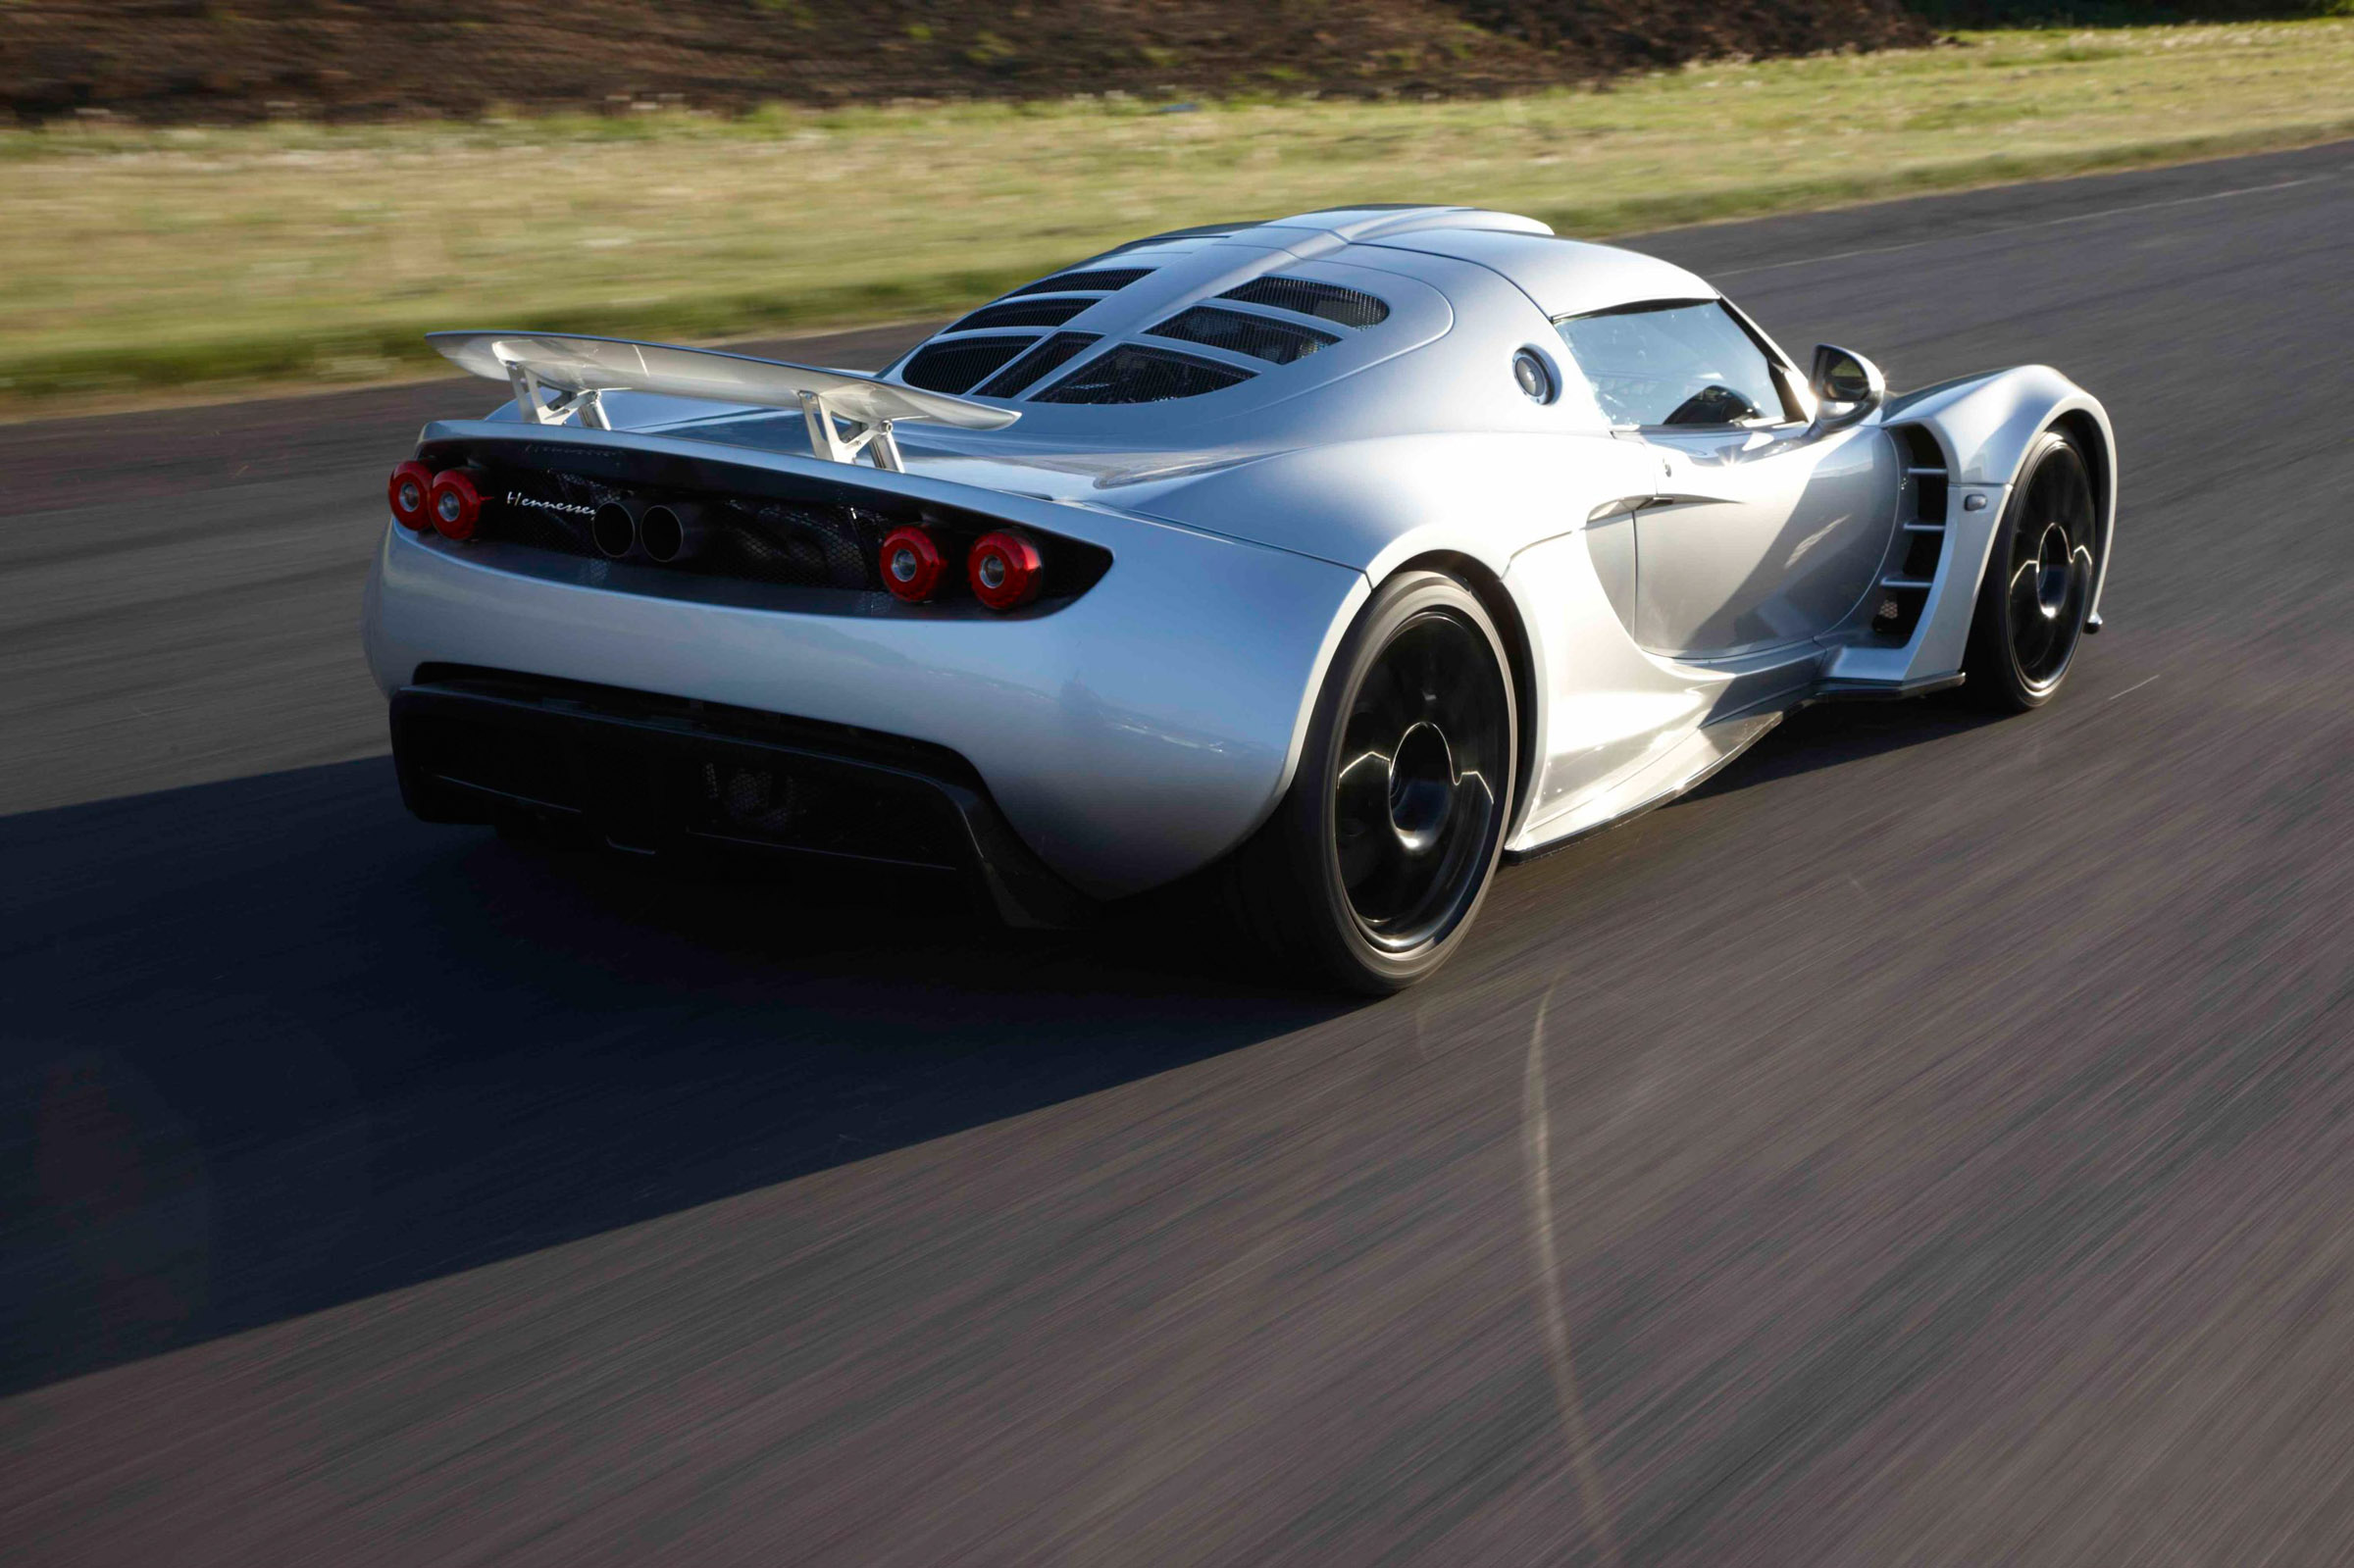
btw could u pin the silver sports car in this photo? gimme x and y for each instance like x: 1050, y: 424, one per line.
x: 1334, y: 558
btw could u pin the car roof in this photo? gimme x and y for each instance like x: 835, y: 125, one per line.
x: 1269, y: 311
x: 1565, y: 276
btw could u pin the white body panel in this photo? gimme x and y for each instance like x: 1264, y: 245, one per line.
x: 1759, y: 538
x: 1674, y: 592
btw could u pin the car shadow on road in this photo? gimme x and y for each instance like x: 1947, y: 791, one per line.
x: 1830, y: 734
x: 270, y: 1045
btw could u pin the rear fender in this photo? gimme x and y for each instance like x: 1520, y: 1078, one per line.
x: 1377, y: 504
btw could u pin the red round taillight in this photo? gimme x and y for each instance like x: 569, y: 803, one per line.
x: 911, y: 564
x: 1006, y: 570
x: 411, y: 483
x: 454, y: 504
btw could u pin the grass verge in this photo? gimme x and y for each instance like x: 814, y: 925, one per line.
x: 158, y: 265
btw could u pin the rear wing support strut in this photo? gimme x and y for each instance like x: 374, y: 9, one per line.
x: 587, y: 405
x: 827, y: 440
x: 559, y: 377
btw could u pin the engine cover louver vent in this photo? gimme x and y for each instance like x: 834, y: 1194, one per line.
x: 1327, y: 301
x: 955, y: 365
x: 1102, y: 281
x: 1134, y: 374
x: 1029, y: 352
x: 1052, y: 353
x: 1020, y: 312
x: 1278, y: 342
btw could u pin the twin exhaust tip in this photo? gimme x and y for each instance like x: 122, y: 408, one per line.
x: 663, y: 534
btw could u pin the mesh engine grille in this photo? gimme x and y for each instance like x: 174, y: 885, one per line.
x: 1020, y: 312
x: 1132, y: 375
x: 1279, y: 343
x: 1332, y: 303
x: 1051, y: 354
x: 1102, y: 281
x: 956, y: 367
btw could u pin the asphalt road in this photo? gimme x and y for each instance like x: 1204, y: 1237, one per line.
x: 1929, y: 1143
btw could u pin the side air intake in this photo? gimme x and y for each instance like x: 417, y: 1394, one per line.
x: 1919, y: 546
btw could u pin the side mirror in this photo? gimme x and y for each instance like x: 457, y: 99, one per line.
x: 1847, y: 387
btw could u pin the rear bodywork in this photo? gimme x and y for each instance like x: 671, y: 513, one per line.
x: 1140, y: 726
x: 1127, y: 736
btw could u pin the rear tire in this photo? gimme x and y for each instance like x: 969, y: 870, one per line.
x: 1378, y: 857
x: 2040, y: 574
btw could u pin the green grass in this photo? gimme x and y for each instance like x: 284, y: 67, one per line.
x: 159, y: 264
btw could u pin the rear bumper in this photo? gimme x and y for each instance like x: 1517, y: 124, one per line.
x: 1129, y: 737
x: 662, y: 775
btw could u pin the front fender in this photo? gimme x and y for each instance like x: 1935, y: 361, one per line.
x: 1985, y: 425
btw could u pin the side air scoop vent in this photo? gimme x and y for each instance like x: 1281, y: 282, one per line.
x: 1326, y: 301
x: 1238, y: 332
x: 1918, y: 549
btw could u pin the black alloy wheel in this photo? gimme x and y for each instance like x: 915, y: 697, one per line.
x: 1377, y: 859
x: 2041, y: 572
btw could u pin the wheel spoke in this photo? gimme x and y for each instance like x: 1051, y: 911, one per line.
x: 1387, y: 706
x: 2050, y: 552
x: 2030, y: 630
x: 2025, y: 585
x: 1362, y: 816
x: 1459, y: 699
x: 1474, y: 804
x: 1413, y: 812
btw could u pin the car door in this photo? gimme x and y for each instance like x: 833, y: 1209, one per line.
x: 1763, y: 532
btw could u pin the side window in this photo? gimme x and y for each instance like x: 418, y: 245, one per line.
x: 1675, y: 362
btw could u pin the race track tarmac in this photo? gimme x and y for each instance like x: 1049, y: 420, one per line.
x: 1929, y: 1143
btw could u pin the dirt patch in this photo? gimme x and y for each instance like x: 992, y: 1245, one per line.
x: 177, y: 61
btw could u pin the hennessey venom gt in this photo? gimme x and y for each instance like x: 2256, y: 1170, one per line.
x: 1336, y: 558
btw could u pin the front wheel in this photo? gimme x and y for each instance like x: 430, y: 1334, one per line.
x: 2040, y: 574
x: 1378, y: 857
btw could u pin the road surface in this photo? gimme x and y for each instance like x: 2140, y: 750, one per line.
x: 1927, y: 1144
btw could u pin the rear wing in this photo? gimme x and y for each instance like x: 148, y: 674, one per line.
x: 577, y: 371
